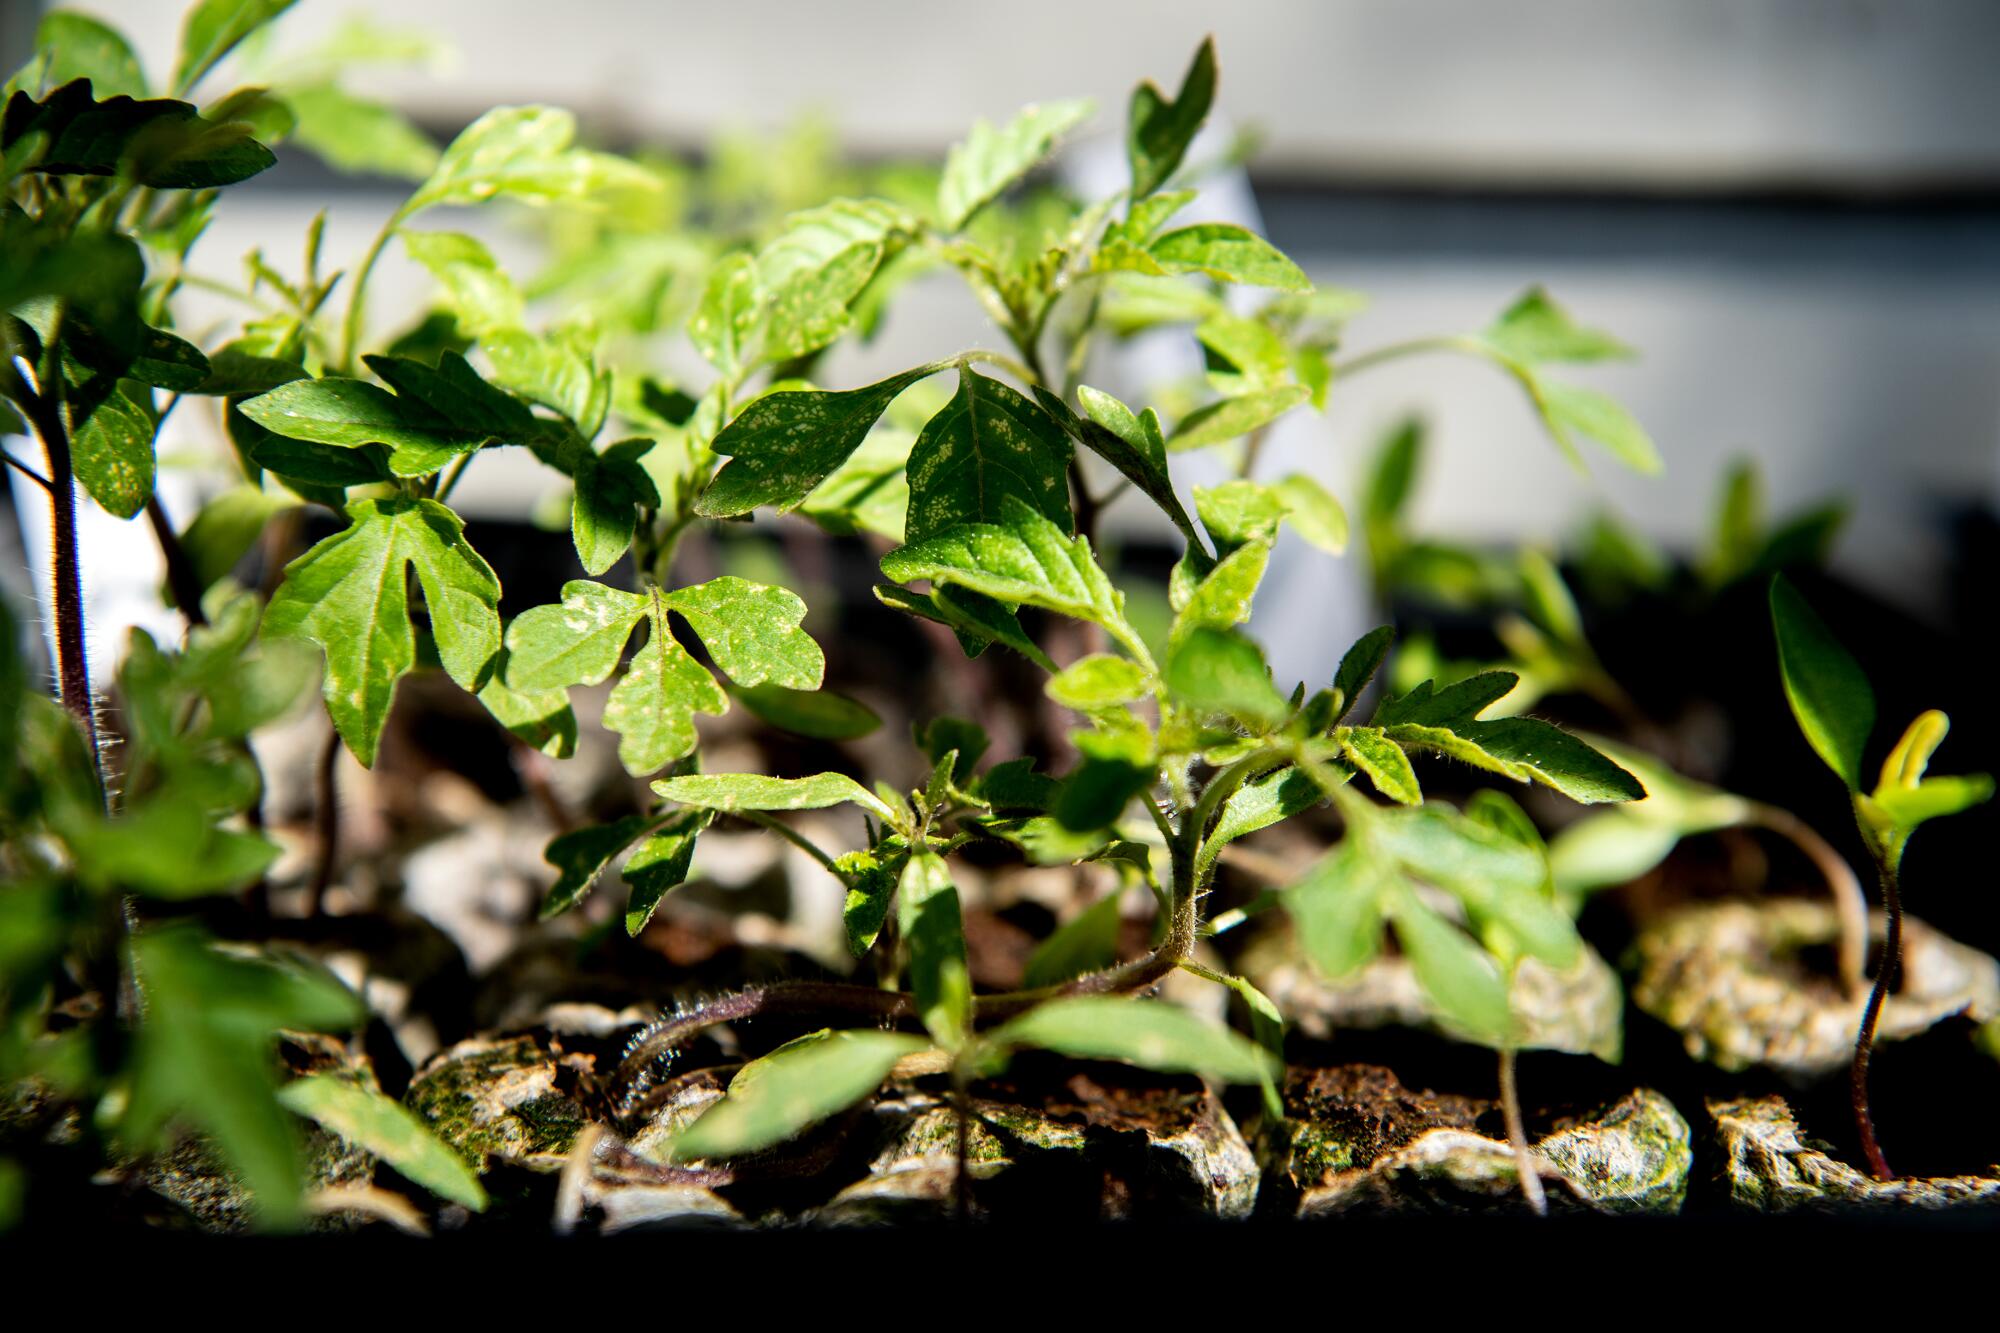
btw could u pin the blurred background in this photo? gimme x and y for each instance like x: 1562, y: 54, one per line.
x: 1791, y: 207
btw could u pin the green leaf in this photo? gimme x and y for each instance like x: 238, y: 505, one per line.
x: 610, y: 490
x: 385, y: 1129
x: 799, y: 1084
x: 1337, y: 907
x: 1359, y: 665
x: 1373, y: 753
x: 819, y: 714
x: 1391, y: 479
x: 581, y: 855
x: 477, y: 291
x: 1087, y: 942
x: 1131, y: 443
x: 1220, y: 671
x: 435, y: 415
x: 1160, y: 130
x: 214, y: 28
x: 987, y: 446
x: 1827, y: 689
x: 1222, y: 600
x: 1462, y: 983
x: 559, y: 371
x: 934, y: 933
x: 813, y: 270
x: 1571, y: 410
x: 1117, y: 766
x: 360, y: 136
x: 652, y: 708
x: 576, y: 642
x: 203, y: 1054
x: 658, y: 866
x: 1220, y: 422
x: 524, y: 153
x: 1148, y: 1033
x: 871, y: 886
x: 1314, y: 512
x: 1525, y: 749
x: 541, y: 718
x: 349, y: 595
x: 724, y: 324
x: 786, y: 443
x: 752, y: 631
x: 113, y: 455
x: 1263, y: 801
x: 1227, y: 253
x: 160, y: 144
x: 1535, y: 329
x: 754, y: 791
x: 1502, y: 881
x: 81, y: 47
x: 169, y: 846
x: 167, y: 362
x: 1933, y: 798
x: 1239, y: 511
x: 977, y: 171
x: 1024, y: 560
x: 1098, y: 681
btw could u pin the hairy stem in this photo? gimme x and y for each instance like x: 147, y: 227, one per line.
x: 72, y: 666
x: 1517, y: 1137
x: 1864, y: 1039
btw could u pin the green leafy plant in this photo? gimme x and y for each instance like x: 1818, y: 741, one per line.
x: 989, y: 497
x: 1834, y: 704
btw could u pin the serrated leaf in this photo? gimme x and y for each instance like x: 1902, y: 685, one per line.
x: 386, y: 1129
x: 113, y: 455
x: 658, y: 866
x: 1159, y: 131
x: 1359, y: 664
x: 524, y: 154
x: 158, y: 143
x: 800, y: 1083
x: 1149, y: 1033
x: 1522, y: 748
x: 754, y: 791
x: 349, y: 595
x: 575, y: 642
x: 652, y: 707
x: 784, y: 444
x: 1828, y: 691
x: 977, y: 171
x: 752, y: 631
x: 1227, y: 253
x: 986, y: 446
x: 1220, y: 422
x: 933, y: 931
